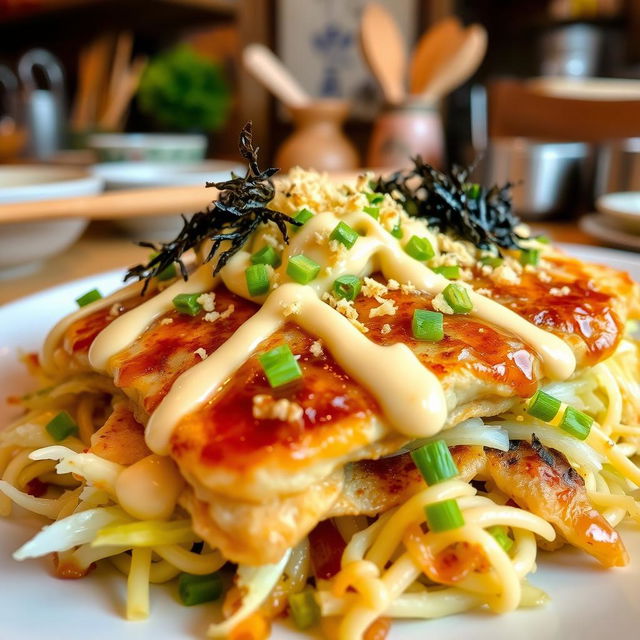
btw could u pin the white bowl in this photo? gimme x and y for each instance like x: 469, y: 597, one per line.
x: 624, y: 206
x: 24, y: 244
x: 148, y: 147
x: 141, y: 175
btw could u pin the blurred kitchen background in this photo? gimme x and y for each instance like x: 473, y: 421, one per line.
x: 151, y: 94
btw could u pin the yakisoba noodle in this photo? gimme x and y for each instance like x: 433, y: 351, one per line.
x: 113, y: 500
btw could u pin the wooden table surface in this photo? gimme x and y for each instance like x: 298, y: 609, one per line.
x: 101, y: 249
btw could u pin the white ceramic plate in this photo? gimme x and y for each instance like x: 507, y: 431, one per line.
x: 587, y: 602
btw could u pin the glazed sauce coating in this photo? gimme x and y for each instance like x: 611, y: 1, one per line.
x: 583, y: 312
x: 154, y: 361
x: 233, y: 436
x: 491, y: 354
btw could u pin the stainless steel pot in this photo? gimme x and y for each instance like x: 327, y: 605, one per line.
x: 618, y: 167
x: 550, y: 177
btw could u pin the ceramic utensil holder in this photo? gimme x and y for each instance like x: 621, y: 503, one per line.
x: 400, y: 133
x: 318, y: 141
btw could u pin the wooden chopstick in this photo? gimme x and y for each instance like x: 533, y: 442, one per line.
x: 113, y: 205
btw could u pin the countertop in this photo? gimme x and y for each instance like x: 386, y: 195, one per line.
x: 101, y: 248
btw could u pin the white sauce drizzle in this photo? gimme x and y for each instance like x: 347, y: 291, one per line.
x: 410, y: 396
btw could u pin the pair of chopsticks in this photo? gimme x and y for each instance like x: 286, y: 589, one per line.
x: 107, y: 82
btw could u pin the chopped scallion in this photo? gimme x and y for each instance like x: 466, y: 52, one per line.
x: 375, y: 198
x: 492, y: 261
x: 344, y: 234
x: 544, y: 406
x: 165, y: 274
x: 449, y: 271
x: 61, y: 427
x: 444, y: 516
x: 457, y: 298
x: 303, y: 216
x: 267, y: 255
x: 198, y: 589
x: 577, y: 423
x: 397, y: 232
x: 473, y: 190
x: 302, y: 269
x: 502, y: 537
x: 347, y: 287
x: 187, y: 303
x: 543, y: 239
x: 257, y: 277
x: 427, y: 325
x: 374, y: 212
x: 280, y: 366
x: 304, y: 609
x: 419, y: 248
x: 88, y: 298
x: 530, y: 257
x: 435, y: 463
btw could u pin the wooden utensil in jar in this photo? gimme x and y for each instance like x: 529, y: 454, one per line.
x: 384, y: 51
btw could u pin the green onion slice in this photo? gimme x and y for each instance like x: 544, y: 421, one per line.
x: 397, y: 232
x: 61, y: 427
x: 444, y: 516
x: 543, y: 239
x: 303, y: 216
x: 544, y: 406
x: 530, y: 256
x: 449, y: 271
x: 492, y: 261
x: 502, y: 537
x: 302, y: 269
x: 375, y: 198
x: 198, y: 589
x: 434, y: 461
x: 374, y: 212
x: 187, y: 303
x: 89, y: 297
x: 419, y: 248
x: 165, y: 274
x: 257, y: 277
x: 304, y: 609
x: 280, y: 366
x: 267, y: 255
x: 427, y: 325
x: 347, y: 287
x: 344, y: 234
x: 457, y: 298
x: 577, y: 423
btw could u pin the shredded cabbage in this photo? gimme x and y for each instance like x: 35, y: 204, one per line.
x: 42, y: 506
x: 94, y: 469
x: 257, y: 583
x: 149, y: 533
x: 471, y: 432
x: 72, y: 531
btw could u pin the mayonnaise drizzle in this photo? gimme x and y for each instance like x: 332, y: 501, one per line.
x: 410, y: 396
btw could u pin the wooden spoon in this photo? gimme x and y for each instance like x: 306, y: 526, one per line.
x: 433, y: 50
x: 268, y: 69
x: 460, y: 66
x: 384, y: 50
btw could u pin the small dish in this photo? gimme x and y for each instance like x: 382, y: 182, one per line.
x: 119, y: 176
x: 148, y: 147
x: 607, y: 229
x: 24, y: 244
x: 624, y: 206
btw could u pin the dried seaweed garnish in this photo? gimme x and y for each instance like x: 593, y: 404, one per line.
x: 240, y: 208
x: 449, y: 202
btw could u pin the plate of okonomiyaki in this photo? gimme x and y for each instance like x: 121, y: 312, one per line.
x: 343, y: 411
